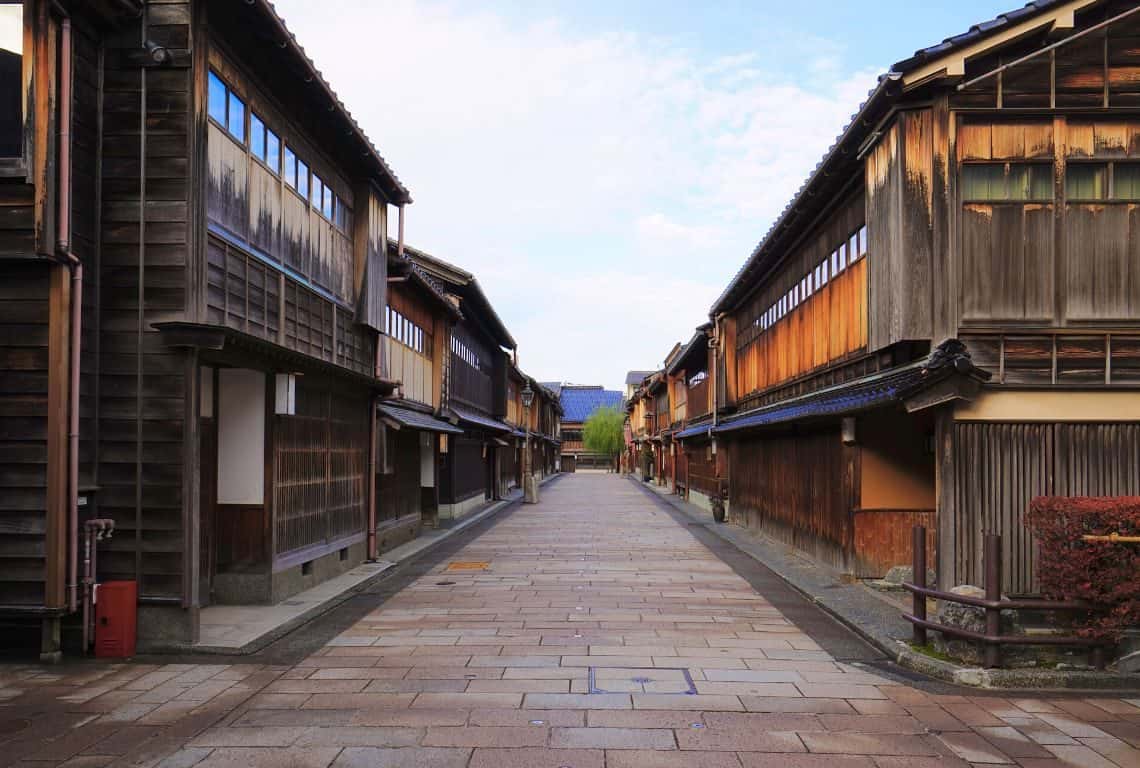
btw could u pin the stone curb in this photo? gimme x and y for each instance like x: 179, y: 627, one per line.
x: 903, y: 654
x: 271, y: 636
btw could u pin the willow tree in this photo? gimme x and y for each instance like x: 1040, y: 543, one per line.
x: 604, y: 432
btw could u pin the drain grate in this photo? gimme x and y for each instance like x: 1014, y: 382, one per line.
x: 468, y: 565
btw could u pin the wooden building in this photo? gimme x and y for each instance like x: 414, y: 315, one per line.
x: 414, y: 428
x: 698, y: 472
x: 945, y: 321
x: 192, y: 296
x: 578, y: 403
x: 482, y: 391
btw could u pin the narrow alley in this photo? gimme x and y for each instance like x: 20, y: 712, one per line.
x: 590, y: 630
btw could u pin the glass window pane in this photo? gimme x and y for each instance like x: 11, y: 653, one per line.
x: 853, y: 247
x: 290, y: 167
x: 863, y: 240
x: 256, y: 136
x: 1086, y: 181
x: 235, y: 120
x: 1041, y: 182
x: 11, y: 79
x: 272, y: 149
x: 318, y: 188
x: 1126, y: 181
x: 983, y: 182
x: 302, y: 179
x: 327, y: 203
x: 217, y: 99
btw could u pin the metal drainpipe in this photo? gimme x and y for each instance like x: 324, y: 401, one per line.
x: 75, y: 310
x: 373, y: 435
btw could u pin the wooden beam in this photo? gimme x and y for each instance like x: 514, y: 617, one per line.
x: 55, y: 540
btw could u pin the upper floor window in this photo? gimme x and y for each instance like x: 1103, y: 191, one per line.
x: 985, y: 182
x: 226, y: 108
x: 11, y: 79
x: 263, y: 143
x: 406, y: 332
x: 1102, y: 181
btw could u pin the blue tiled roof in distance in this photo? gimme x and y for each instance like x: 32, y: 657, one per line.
x: 579, y: 402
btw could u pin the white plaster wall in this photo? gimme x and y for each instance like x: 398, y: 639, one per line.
x: 241, y: 436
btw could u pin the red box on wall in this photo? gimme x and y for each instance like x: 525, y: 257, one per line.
x: 116, y: 619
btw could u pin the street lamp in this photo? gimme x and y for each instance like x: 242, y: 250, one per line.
x: 530, y: 488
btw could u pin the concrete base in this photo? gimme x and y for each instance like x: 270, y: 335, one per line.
x: 290, y: 581
x: 398, y: 532
x: 163, y: 626
x: 449, y: 513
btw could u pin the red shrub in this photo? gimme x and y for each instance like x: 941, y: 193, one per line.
x: 1106, y: 574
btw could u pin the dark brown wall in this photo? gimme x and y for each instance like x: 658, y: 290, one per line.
x: 23, y: 430
x: 145, y: 260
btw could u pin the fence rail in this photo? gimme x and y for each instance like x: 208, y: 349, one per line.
x: 993, y: 605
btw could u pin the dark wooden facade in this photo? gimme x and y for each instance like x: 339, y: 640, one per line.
x: 986, y: 191
x: 197, y: 256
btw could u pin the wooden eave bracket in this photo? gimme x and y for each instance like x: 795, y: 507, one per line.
x: 949, y: 390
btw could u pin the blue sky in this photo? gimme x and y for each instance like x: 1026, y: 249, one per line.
x: 606, y: 167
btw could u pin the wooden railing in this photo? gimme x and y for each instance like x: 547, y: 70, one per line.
x: 993, y: 605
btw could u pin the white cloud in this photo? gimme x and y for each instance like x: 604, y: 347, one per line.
x: 604, y: 188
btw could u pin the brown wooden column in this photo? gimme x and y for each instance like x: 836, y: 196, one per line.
x: 55, y: 539
x: 946, y: 541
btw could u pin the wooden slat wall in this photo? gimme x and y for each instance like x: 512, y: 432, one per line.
x: 17, y: 219
x: 1000, y: 467
x: 400, y: 490
x: 465, y: 470
x: 412, y: 369
x: 1013, y: 253
x: 23, y: 431
x: 800, y: 489
x: 700, y: 469
x: 828, y: 326
x: 466, y: 384
x: 257, y: 206
x: 320, y: 469
x: 144, y: 279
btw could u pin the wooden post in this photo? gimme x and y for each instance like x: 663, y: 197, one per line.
x: 918, y: 559
x: 992, y: 565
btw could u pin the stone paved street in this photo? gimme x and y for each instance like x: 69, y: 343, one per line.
x: 592, y: 630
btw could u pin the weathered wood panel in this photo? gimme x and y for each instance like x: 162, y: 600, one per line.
x: 320, y: 469
x: 1102, y: 247
x: 800, y: 489
x: 1007, y: 263
x: 883, y: 539
x: 144, y: 278
x: 23, y: 431
x: 1000, y: 467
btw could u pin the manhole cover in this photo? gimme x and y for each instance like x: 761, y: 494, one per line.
x: 8, y: 727
x: 633, y: 680
x: 468, y: 565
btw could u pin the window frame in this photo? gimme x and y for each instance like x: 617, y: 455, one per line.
x: 1007, y: 197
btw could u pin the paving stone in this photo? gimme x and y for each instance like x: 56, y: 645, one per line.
x: 762, y: 760
x: 577, y: 701
x: 403, y: 757
x: 687, y: 759
x: 247, y: 757
x: 682, y: 701
x: 973, y: 748
x: 359, y: 736
x: 533, y: 717
x: 538, y: 758
x: 477, y: 736
x: 612, y: 738
x: 737, y: 740
x: 867, y: 744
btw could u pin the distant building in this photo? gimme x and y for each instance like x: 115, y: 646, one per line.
x: 633, y: 380
x: 578, y: 402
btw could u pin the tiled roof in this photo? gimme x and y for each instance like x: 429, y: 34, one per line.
x: 579, y: 402
x: 974, y: 33
x: 950, y: 358
x: 402, y: 192
x: 480, y: 420
x: 857, y: 128
x: 635, y: 377
x: 416, y: 420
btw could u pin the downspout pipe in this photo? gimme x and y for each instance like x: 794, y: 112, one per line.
x: 63, y: 247
x: 373, y: 436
